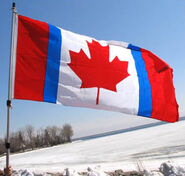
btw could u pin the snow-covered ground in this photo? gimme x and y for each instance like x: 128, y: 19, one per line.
x: 143, y: 149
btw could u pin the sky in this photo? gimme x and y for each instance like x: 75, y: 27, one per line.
x: 158, y: 26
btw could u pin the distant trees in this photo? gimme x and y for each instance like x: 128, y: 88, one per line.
x: 28, y: 138
x: 67, y: 132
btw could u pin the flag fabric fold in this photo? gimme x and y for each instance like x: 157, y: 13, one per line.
x: 58, y: 66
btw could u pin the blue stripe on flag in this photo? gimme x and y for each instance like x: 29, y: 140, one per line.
x: 145, y: 96
x: 53, y: 64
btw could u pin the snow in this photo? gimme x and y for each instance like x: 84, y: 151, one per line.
x: 144, y: 149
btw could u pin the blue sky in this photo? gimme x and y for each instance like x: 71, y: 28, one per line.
x: 158, y: 26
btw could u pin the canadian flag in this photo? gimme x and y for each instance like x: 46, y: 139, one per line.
x: 58, y: 66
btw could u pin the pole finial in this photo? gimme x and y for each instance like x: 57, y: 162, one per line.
x: 13, y: 5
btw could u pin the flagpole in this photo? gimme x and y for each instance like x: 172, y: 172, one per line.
x: 12, y: 55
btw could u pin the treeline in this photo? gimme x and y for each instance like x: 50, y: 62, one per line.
x: 29, y: 139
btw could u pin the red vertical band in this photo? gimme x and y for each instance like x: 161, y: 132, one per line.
x: 31, y: 59
x: 164, y: 105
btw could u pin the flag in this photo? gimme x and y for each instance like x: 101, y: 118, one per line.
x: 58, y: 66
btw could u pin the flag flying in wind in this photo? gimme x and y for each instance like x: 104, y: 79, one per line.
x: 58, y: 66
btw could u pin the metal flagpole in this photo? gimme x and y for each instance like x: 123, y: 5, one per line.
x: 12, y: 60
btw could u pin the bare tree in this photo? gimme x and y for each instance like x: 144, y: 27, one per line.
x: 67, y: 132
x: 53, y: 134
x: 47, y: 137
x: 21, y: 140
x: 14, y: 140
x: 59, y: 139
x: 39, y: 139
x: 30, y: 136
x: 2, y: 146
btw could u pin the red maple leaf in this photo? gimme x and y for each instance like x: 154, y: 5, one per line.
x: 98, y: 71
